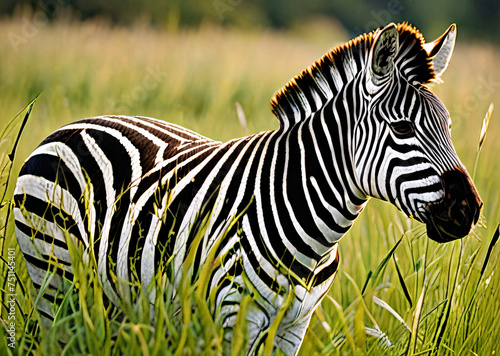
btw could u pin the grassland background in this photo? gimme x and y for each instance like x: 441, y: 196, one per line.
x: 195, y: 77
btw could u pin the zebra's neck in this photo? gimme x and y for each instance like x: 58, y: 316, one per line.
x: 317, y: 199
x: 319, y: 185
x: 301, y: 207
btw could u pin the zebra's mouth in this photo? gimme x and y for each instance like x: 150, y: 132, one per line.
x: 454, y: 216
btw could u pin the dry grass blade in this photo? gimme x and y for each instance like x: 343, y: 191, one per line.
x: 416, y: 321
x: 387, y: 307
x: 380, y: 336
x: 482, y: 136
x: 242, y: 117
x: 484, y: 128
x: 348, y: 337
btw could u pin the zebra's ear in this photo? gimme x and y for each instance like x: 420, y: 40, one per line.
x: 440, y: 50
x: 384, y: 49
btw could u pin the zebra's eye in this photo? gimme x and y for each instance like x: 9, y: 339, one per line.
x: 403, y: 129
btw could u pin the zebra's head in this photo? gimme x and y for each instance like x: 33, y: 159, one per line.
x: 402, y: 145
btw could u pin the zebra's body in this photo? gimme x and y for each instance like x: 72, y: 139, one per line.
x: 200, y: 174
x: 271, y: 207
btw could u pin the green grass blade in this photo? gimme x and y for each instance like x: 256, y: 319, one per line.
x: 383, y: 264
x: 273, y: 329
x: 239, y: 343
x: 367, y: 280
x: 402, y: 282
x: 493, y: 242
x: 445, y: 315
x: 12, y: 131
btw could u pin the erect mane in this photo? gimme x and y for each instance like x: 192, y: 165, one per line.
x: 308, y: 92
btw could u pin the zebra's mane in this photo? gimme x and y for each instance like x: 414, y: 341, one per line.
x: 309, y: 91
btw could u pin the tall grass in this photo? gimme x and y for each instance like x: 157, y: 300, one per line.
x: 396, y: 291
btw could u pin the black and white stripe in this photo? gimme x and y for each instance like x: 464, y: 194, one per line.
x: 134, y: 192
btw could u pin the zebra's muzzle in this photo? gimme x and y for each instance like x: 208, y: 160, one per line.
x: 454, y: 216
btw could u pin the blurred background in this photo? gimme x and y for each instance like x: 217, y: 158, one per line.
x: 190, y: 62
x: 478, y: 19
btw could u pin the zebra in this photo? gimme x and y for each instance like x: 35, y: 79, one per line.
x: 271, y: 207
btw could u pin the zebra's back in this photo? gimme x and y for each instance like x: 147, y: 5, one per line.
x: 104, y: 181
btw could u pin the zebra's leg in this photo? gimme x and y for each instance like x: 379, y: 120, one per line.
x: 289, y: 338
x: 48, y: 201
x: 236, y: 307
x: 259, y: 319
x: 45, y: 249
x: 47, y: 274
x: 293, y: 327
